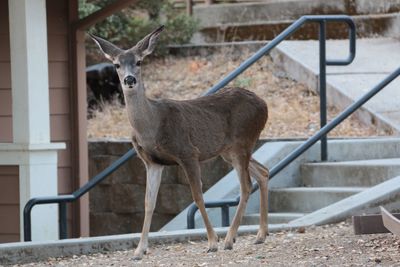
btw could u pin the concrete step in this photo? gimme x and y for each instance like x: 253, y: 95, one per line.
x: 307, y: 199
x: 273, y: 218
x: 271, y: 152
x: 361, y: 173
x: 366, y: 25
x: 221, y: 14
x: 376, y: 58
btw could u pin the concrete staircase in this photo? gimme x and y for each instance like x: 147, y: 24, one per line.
x: 360, y: 175
x: 323, y: 184
x: 264, y: 20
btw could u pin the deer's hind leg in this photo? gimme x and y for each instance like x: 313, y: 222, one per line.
x: 261, y: 175
x: 193, y: 174
x: 240, y: 161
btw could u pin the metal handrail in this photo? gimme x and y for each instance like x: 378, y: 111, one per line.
x: 323, y: 62
x: 62, y: 200
x: 225, y: 204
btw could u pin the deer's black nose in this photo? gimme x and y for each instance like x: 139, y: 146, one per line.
x: 130, y: 80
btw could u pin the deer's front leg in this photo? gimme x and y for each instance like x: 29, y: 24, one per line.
x: 153, y: 181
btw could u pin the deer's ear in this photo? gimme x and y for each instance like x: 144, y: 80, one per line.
x: 148, y: 43
x: 109, y: 50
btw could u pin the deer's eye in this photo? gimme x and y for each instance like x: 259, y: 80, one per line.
x: 117, y: 66
x: 138, y: 63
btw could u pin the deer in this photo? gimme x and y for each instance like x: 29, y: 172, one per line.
x: 187, y: 132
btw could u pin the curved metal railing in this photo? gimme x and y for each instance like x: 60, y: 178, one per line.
x: 64, y: 199
x: 323, y: 62
x: 226, y: 203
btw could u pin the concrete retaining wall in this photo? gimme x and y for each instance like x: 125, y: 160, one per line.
x: 265, y: 20
x: 222, y: 14
x: 117, y: 204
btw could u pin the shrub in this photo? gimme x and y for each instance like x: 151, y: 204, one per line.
x: 127, y: 27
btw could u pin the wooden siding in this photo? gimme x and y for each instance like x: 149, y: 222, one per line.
x: 9, y: 204
x: 61, y: 114
x: 60, y: 96
x: 5, y: 79
x: 5, y: 69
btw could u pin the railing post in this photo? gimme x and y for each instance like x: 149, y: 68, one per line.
x: 62, y: 213
x: 190, y: 216
x: 27, y: 223
x: 322, y: 86
x: 225, y: 216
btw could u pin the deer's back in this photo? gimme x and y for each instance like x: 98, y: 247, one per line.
x: 210, y: 124
x: 242, y: 112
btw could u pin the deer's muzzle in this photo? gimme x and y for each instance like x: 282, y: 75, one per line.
x: 130, y: 80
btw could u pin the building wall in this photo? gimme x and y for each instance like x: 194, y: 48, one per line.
x: 9, y: 204
x: 5, y: 76
x: 61, y: 95
x: 60, y: 92
x: 9, y: 182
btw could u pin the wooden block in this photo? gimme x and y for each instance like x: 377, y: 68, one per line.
x: 370, y: 224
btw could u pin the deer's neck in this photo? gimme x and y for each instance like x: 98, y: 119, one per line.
x: 141, y: 113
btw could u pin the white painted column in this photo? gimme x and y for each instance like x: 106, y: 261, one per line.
x: 31, y: 117
x: 29, y: 71
x: 38, y: 177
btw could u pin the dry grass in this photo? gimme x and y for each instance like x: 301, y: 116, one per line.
x: 293, y: 108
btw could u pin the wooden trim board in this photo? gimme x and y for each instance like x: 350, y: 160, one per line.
x: 103, y: 13
x: 390, y: 222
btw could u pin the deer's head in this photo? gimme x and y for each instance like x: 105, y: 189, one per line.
x: 128, y: 62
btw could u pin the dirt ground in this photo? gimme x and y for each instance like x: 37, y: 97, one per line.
x: 331, y: 245
x: 293, y: 108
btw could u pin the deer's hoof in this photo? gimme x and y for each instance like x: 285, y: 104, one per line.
x: 261, y: 236
x: 259, y: 241
x: 213, y: 249
x: 228, y: 245
x: 137, y: 257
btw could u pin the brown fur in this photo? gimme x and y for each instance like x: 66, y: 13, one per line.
x: 185, y: 125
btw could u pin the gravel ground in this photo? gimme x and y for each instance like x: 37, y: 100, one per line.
x: 331, y: 245
x: 293, y: 108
